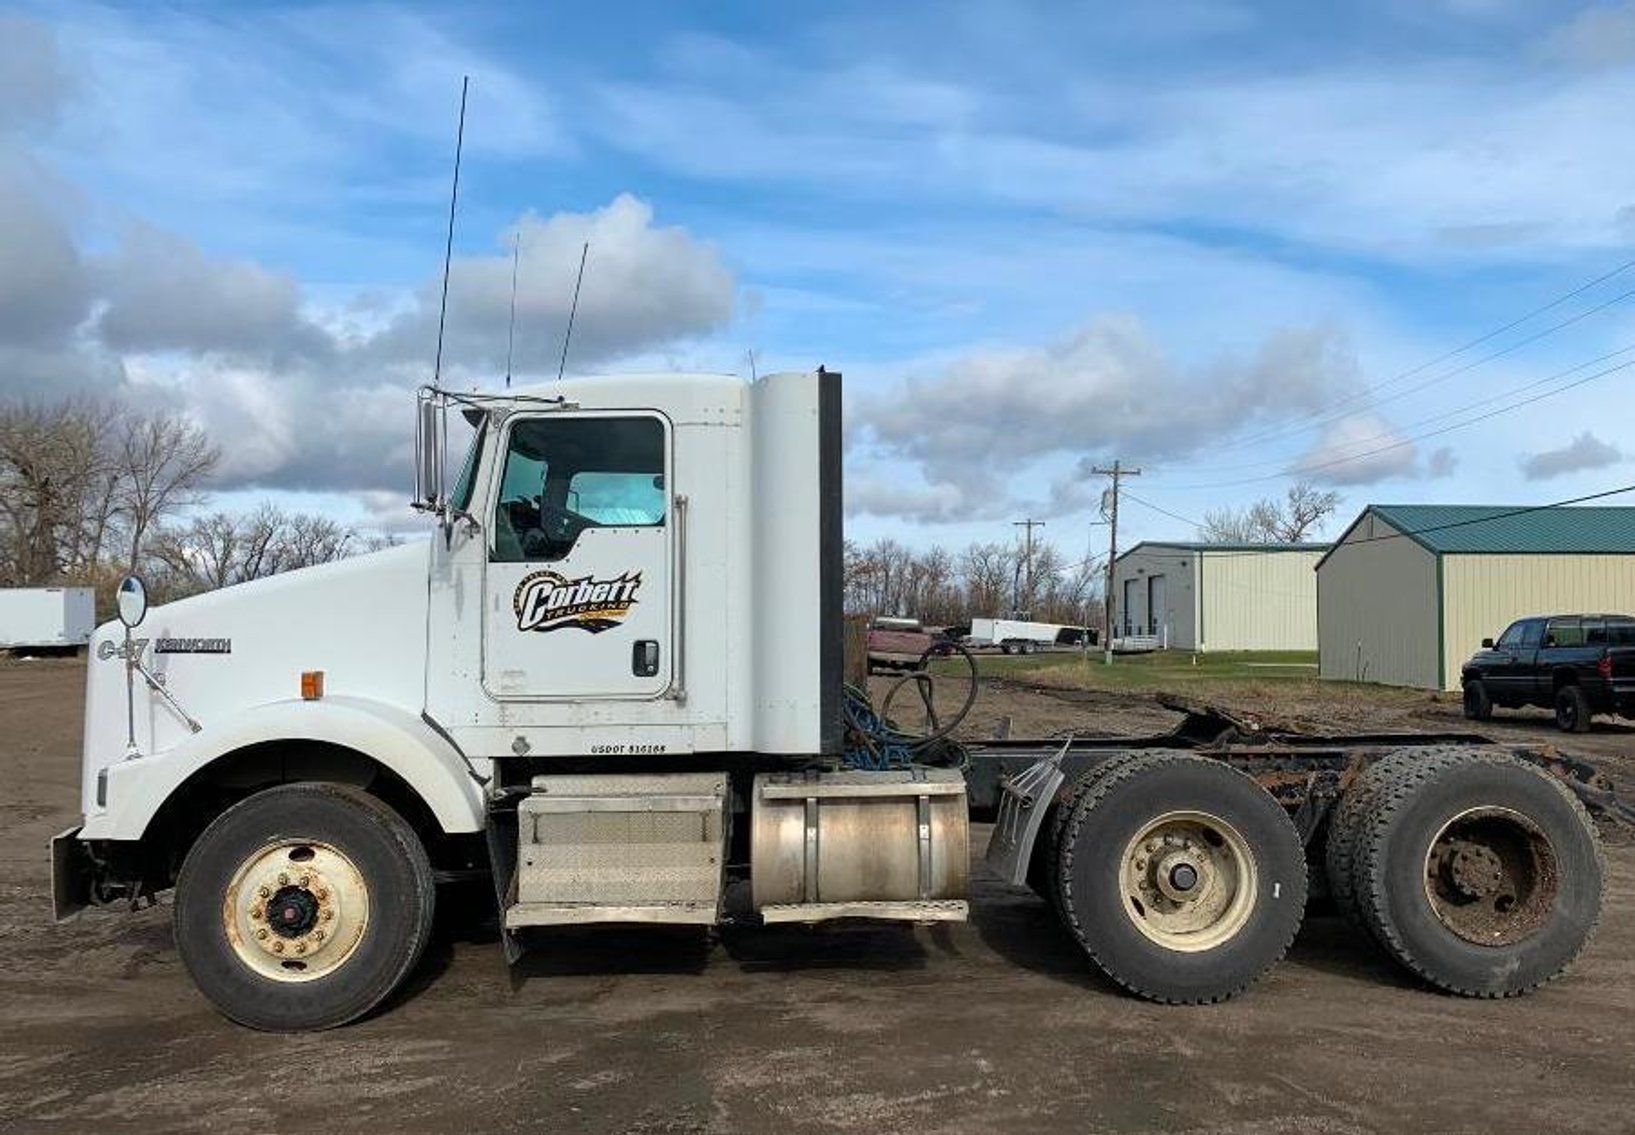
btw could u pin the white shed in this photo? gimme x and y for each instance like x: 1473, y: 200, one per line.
x: 1219, y: 596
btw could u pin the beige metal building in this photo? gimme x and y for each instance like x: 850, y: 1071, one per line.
x: 1219, y: 596
x: 1409, y: 591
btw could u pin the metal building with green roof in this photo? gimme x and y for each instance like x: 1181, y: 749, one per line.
x: 1409, y: 591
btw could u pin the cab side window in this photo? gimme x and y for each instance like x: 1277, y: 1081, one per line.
x: 565, y: 475
x: 1511, y: 639
x: 1532, y: 633
x: 1564, y: 632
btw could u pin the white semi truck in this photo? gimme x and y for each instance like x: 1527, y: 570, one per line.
x: 611, y: 683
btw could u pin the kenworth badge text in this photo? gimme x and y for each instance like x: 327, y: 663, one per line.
x: 610, y: 683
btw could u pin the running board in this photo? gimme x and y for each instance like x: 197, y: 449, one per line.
x: 930, y: 910
x: 585, y: 914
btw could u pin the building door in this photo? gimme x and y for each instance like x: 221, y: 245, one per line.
x: 577, y: 585
x: 1128, y: 617
x: 1157, y: 604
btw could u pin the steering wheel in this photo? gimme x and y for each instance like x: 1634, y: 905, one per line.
x: 932, y: 727
x: 562, y: 525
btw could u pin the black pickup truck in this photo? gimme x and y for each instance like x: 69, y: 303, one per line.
x: 1578, y: 665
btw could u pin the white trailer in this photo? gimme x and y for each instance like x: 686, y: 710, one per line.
x: 610, y: 686
x: 1016, y: 636
x: 54, y: 617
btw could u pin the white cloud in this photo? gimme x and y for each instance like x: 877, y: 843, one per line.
x: 1364, y: 449
x: 1600, y: 36
x: 1586, y: 451
x: 1107, y: 387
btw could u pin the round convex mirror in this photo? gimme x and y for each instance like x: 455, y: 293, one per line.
x: 133, y: 601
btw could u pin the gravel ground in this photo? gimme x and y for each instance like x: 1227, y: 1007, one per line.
x: 992, y: 1025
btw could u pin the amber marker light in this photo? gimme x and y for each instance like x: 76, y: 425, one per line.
x: 312, y: 684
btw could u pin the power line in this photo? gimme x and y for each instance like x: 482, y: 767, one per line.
x: 1307, y: 469
x: 1457, y: 410
x: 1311, y: 418
x: 1506, y: 514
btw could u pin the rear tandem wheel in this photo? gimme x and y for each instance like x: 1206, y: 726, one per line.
x: 1477, y: 871
x: 1181, y: 878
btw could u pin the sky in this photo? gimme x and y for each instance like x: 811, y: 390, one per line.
x: 1233, y: 245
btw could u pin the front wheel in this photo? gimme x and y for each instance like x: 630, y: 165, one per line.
x: 1478, y: 703
x: 1182, y: 879
x: 303, y: 907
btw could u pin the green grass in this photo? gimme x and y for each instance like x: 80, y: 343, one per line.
x: 1162, y: 669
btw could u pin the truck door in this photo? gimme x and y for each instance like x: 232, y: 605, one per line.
x: 577, y: 586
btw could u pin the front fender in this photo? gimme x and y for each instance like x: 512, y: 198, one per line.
x: 397, y: 739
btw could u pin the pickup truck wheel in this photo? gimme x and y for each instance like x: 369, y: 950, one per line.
x: 1182, y: 879
x: 1478, y: 703
x: 303, y: 907
x: 1572, y: 710
x: 1483, y: 877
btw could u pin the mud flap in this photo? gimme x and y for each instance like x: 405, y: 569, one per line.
x: 1024, y: 799
x: 501, y: 831
x: 70, y: 875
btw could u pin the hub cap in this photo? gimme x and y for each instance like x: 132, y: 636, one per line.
x: 1189, y: 881
x: 1491, y: 876
x: 295, y: 911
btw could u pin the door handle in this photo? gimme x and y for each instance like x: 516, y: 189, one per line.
x: 644, y: 657
x: 678, y: 674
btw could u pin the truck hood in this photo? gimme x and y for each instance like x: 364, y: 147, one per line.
x: 362, y: 621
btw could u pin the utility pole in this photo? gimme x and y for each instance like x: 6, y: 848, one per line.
x: 1029, y: 525
x: 1117, y: 472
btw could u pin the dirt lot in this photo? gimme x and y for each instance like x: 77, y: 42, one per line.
x: 995, y: 1025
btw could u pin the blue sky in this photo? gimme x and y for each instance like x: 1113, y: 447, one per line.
x: 1196, y: 236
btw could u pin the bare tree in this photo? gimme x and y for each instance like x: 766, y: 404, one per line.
x: 54, y: 471
x: 219, y: 549
x: 162, y: 464
x: 1297, y: 517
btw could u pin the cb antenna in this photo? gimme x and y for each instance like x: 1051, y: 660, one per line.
x: 511, y: 330
x: 448, y: 248
x: 572, y: 311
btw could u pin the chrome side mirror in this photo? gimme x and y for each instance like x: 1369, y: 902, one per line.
x: 132, y: 601
x: 428, y: 452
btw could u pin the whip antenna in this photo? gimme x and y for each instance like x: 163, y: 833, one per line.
x: 511, y: 329
x: 572, y: 311
x: 448, y: 248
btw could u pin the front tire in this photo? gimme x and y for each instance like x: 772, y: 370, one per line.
x: 1181, y: 878
x: 303, y: 907
x: 1478, y: 703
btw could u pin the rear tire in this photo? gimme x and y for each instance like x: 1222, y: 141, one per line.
x: 1182, y: 879
x: 1346, y: 826
x: 1572, y: 710
x: 1483, y: 876
x: 303, y: 907
x: 1478, y: 704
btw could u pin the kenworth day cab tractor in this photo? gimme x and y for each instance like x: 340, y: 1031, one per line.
x: 612, y: 683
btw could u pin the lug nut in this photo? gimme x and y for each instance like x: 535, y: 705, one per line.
x: 328, y: 914
x: 323, y: 893
x: 283, y: 879
x: 1140, y: 864
x: 1153, y: 845
x: 278, y: 947
x: 318, y: 935
x: 262, y: 933
x: 265, y: 892
x: 300, y: 947
x: 306, y: 880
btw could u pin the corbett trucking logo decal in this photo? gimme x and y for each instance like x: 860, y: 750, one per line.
x: 549, y: 601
